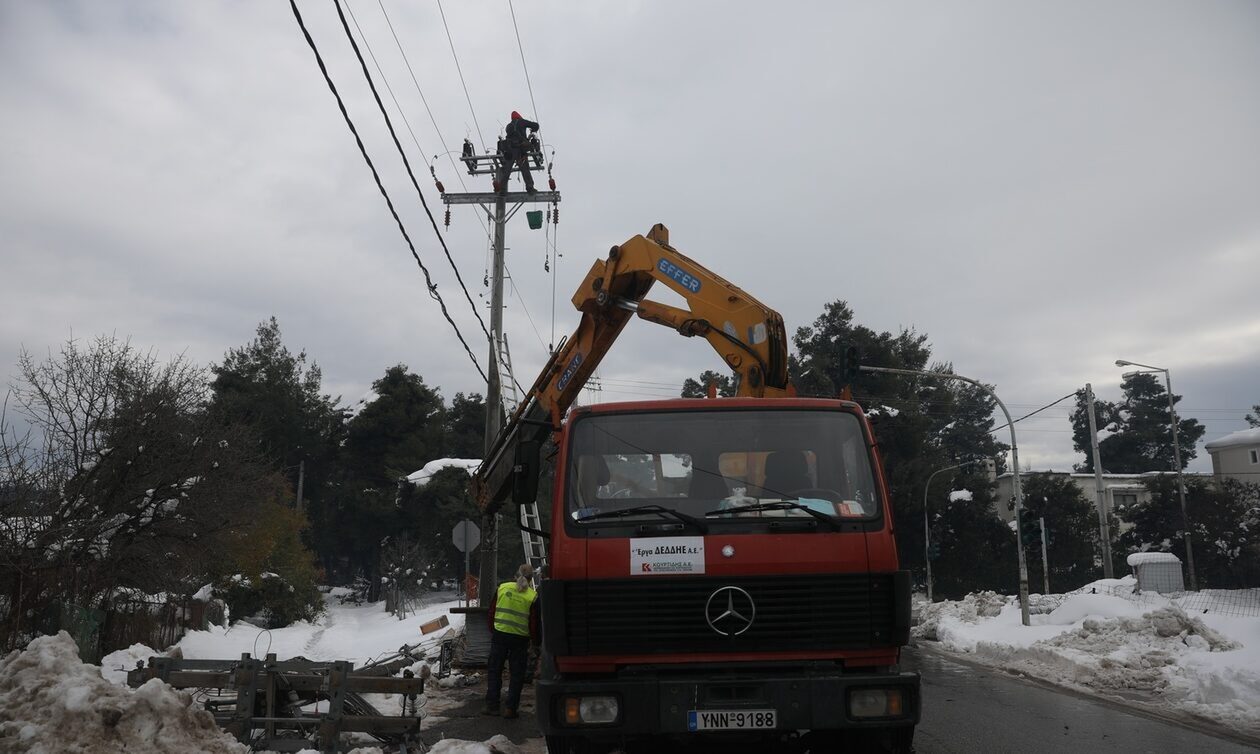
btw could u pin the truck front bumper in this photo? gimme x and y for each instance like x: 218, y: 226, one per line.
x: 652, y: 702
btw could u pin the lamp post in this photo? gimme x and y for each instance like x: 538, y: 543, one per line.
x: 1181, y: 482
x: 927, y: 537
x: 1016, y: 489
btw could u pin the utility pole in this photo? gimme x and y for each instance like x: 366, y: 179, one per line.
x: 1045, y: 559
x: 301, y: 481
x: 1015, y: 485
x: 489, y: 164
x: 1100, y: 495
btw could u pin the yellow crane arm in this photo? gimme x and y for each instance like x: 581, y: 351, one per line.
x: 748, y: 335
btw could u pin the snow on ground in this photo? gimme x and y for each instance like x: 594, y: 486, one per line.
x: 52, y: 702
x: 1206, y: 662
x: 500, y: 744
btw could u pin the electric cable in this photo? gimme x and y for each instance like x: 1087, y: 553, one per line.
x: 433, y: 293
x: 461, y: 77
x: 407, y: 164
x: 521, y: 47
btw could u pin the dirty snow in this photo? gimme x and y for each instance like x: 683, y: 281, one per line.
x: 421, y: 478
x: 52, y: 702
x: 500, y: 744
x: 1205, y: 663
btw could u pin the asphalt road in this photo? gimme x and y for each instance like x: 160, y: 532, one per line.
x: 967, y: 709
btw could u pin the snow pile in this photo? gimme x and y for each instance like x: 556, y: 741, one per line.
x: 114, y: 666
x: 1204, y: 664
x: 500, y: 744
x: 50, y: 701
x: 421, y: 478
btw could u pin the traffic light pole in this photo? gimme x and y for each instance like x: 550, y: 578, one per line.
x: 1100, y: 495
x: 1015, y: 484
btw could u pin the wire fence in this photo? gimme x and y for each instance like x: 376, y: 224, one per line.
x: 1234, y: 602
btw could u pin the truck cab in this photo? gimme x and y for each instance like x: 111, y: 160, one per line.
x: 723, y: 569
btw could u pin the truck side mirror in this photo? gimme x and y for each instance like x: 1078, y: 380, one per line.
x: 525, y: 472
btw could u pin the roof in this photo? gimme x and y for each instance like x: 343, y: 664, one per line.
x: 1235, y: 440
x: 1142, y: 558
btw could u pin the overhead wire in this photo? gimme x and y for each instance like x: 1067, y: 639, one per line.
x: 402, y: 113
x: 341, y: 105
x: 529, y: 84
x: 407, y: 164
x: 461, y: 76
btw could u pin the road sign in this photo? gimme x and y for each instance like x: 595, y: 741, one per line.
x: 465, y: 535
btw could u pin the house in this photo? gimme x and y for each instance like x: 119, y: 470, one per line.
x: 1236, y: 456
x: 1118, y: 489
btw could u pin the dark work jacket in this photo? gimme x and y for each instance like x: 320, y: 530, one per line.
x: 516, y: 132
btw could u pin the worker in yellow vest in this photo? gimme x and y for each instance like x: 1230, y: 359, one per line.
x: 513, y: 623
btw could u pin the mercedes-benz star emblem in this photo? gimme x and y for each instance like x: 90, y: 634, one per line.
x: 730, y: 611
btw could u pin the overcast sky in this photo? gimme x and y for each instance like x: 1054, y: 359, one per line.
x: 1042, y: 188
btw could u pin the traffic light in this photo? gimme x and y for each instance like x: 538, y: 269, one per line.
x: 934, y: 550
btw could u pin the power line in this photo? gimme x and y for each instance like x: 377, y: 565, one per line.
x: 1043, y: 408
x: 341, y: 105
x: 461, y: 77
x: 407, y: 164
x: 385, y: 80
x: 521, y: 47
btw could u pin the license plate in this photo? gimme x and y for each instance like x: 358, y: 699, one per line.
x: 726, y: 719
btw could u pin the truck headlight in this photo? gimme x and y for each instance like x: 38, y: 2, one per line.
x: 875, y: 703
x: 591, y: 710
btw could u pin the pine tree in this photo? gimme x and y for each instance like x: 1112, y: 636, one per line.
x: 465, y: 427
x: 1071, y: 531
x: 699, y: 387
x: 1141, y: 438
x: 1253, y: 419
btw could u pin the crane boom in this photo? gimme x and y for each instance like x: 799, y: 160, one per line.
x: 748, y: 335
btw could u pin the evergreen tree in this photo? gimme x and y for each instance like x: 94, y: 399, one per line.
x: 263, y: 386
x: 922, y: 425
x: 465, y: 427
x: 1071, y: 531
x: 699, y: 388
x: 398, y: 432
x: 1253, y: 419
x: 1141, y: 438
x: 963, y: 526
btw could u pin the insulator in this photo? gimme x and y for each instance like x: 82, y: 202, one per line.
x: 551, y: 182
x: 555, y: 215
x: 441, y: 189
x: 448, y: 215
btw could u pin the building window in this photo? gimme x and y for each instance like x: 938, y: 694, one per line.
x: 1125, y: 499
x: 1255, y: 456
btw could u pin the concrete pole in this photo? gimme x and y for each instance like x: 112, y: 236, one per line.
x: 1045, y: 558
x: 1181, y: 485
x: 1017, y: 489
x: 301, y: 483
x: 487, y: 579
x: 1100, y: 494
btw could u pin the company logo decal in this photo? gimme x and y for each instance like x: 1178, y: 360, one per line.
x: 730, y: 611
x: 569, y: 371
x: 679, y: 275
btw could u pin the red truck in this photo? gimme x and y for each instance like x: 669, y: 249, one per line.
x: 719, y: 569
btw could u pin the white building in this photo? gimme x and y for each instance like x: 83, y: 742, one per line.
x: 1236, y: 456
x: 1118, y: 489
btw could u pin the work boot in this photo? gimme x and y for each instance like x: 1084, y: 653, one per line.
x: 490, y: 708
x: 531, y: 190
x: 509, y: 713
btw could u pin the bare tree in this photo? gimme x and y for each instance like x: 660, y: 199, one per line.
x: 119, y: 480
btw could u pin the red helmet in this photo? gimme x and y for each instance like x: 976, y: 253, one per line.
x: 516, y: 115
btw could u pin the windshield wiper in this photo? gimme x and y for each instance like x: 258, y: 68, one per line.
x: 779, y: 505
x: 699, y: 525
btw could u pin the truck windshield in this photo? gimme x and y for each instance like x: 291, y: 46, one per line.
x: 731, y: 466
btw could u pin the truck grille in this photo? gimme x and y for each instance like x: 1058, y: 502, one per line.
x: 667, y: 615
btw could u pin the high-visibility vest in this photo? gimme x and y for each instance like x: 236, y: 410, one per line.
x: 511, y: 609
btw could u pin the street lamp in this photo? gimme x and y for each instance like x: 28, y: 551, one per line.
x: 1015, y: 485
x: 1181, y: 482
x: 927, y: 537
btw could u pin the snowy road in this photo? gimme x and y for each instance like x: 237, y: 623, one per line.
x: 968, y: 708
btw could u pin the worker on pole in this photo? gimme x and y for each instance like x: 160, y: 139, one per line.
x: 514, y: 148
x: 513, y: 625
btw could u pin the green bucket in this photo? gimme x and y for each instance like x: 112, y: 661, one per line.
x: 535, y: 217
